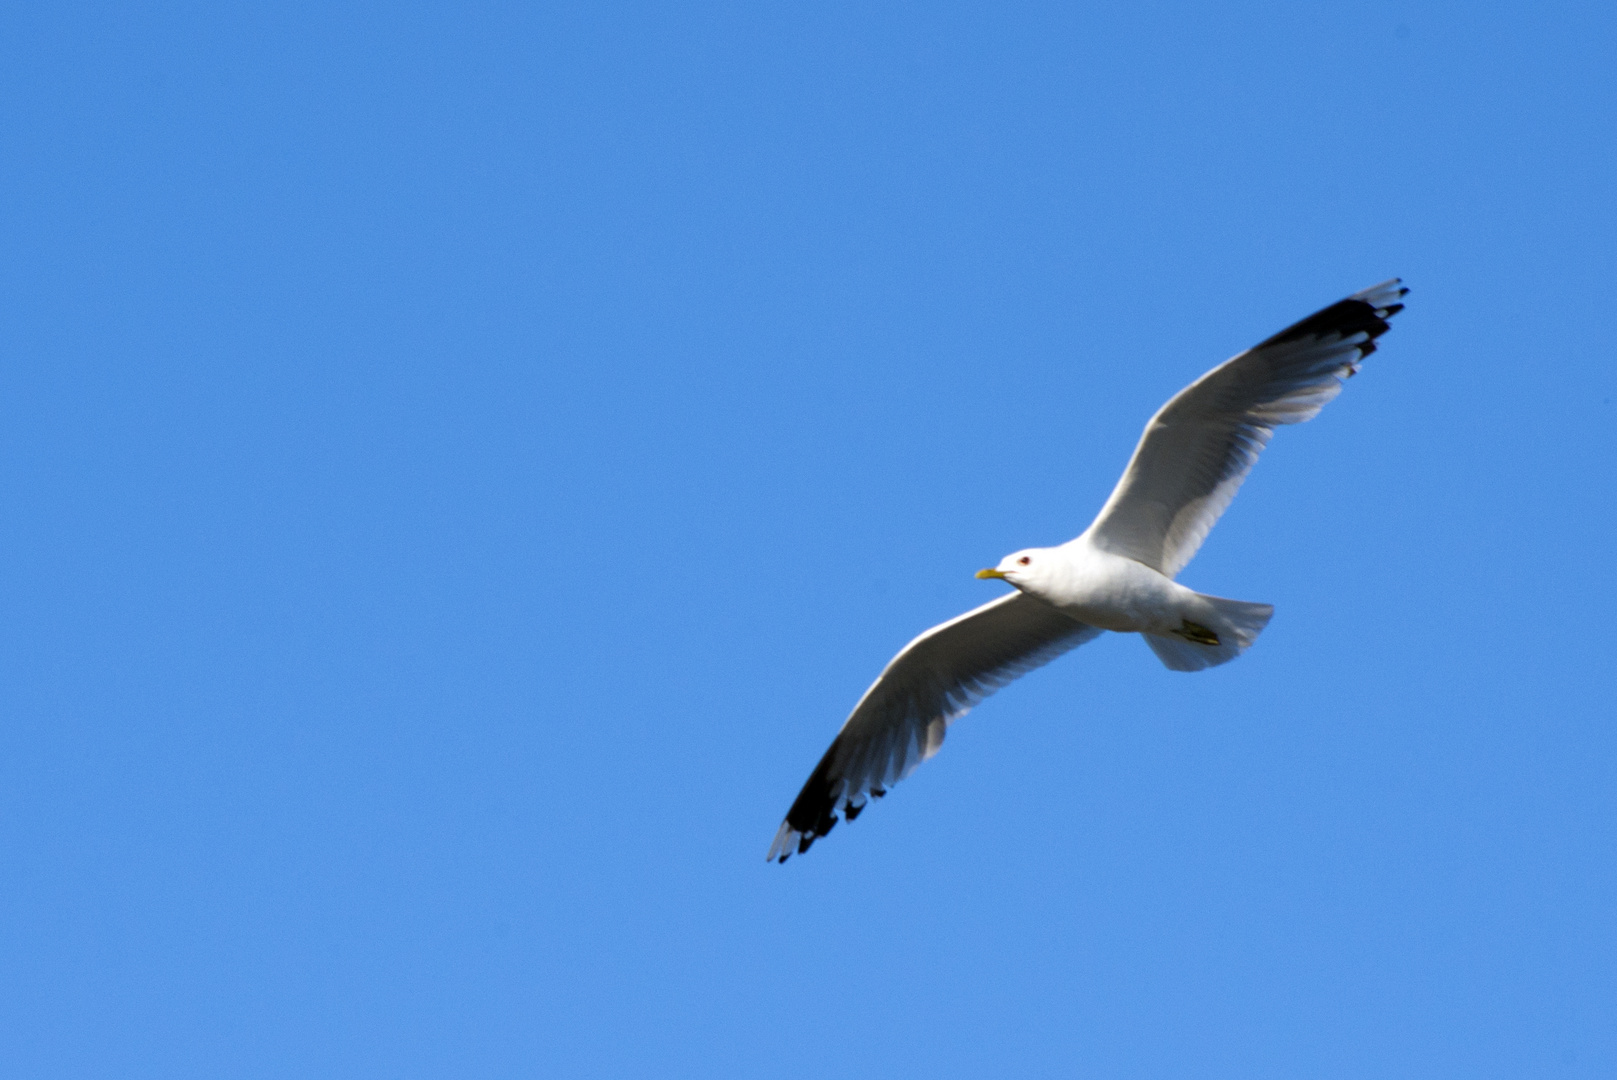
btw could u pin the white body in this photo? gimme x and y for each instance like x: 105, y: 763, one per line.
x: 1086, y: 581
x: 1110, y: 591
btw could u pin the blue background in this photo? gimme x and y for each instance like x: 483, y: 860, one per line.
x: 459, y: 463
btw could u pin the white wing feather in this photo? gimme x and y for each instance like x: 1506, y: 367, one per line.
x: 1198, y: 448
x: 901, y: 720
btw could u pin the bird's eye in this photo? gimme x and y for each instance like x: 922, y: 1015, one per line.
x: 1024, y: 560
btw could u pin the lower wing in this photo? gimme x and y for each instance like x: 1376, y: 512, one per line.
x: 901, y: 720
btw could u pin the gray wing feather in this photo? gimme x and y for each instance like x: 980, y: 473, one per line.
x: 1199, y: 447
x: 901, y: 720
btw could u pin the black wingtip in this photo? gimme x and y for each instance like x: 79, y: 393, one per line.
x: 1343, y: 319
x: 814, y: 812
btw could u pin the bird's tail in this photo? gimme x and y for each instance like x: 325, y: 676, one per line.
x: 1227, y: 629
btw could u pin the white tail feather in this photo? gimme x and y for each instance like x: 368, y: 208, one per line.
x: 1237, y: 625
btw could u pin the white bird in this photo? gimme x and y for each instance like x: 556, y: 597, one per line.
x: 1117, y: 575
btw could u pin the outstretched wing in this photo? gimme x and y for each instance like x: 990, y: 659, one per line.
x: 901, y: 720
x: 1200, y: 445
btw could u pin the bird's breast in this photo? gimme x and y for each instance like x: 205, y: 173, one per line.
x: 1114, y: 593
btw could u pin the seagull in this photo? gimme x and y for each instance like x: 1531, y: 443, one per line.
x: 1117, y: 575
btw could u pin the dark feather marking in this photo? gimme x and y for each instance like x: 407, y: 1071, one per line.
x: 1342, y: 319
x: 814, y: 812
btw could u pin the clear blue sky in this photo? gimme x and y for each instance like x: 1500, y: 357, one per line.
x: 459, y: 463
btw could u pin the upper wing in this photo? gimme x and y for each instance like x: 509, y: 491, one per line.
x: 900, y: 721
x: 1199, y: 446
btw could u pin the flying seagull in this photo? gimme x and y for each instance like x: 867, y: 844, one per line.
x: 1118, y: 575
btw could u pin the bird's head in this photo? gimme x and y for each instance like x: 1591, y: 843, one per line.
x: 1020, y: 568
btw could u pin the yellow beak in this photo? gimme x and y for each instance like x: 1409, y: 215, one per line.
x: 984, y: 575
